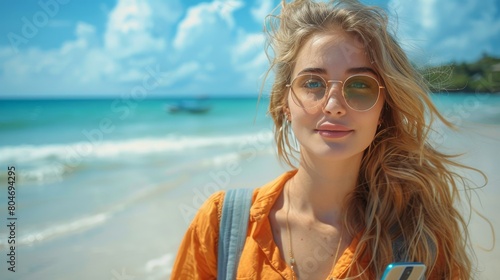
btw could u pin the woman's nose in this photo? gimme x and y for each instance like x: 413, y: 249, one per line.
x: 334, y: 103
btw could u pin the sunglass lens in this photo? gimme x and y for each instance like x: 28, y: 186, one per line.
x: 309, y: 90
x: 361, y: 92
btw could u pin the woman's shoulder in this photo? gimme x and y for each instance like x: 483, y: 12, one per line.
x: 210, y: 211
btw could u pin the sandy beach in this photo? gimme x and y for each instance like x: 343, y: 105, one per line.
x: 481, y: 145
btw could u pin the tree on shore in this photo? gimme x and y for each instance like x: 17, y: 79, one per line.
x: 482, y: 75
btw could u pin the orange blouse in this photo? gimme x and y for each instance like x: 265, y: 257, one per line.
x: 260, y: 259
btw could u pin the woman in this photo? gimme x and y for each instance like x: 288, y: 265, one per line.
x: 369, y: 189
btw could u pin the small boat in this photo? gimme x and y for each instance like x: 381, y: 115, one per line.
x: 188, y: 106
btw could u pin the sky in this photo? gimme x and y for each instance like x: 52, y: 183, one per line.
x: 157, y: 48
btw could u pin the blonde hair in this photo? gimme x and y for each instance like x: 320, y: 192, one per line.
x: 406, y: 188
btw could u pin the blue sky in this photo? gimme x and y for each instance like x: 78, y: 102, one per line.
x: 155, y: 48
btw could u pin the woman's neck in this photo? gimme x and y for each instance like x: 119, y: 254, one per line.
x: 320, y: 187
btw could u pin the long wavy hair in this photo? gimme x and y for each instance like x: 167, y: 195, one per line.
x: 404, y: 203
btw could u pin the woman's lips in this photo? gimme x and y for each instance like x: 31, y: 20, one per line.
x: 329, y: 130
x: 333, y: 133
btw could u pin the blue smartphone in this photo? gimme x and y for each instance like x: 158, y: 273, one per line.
x: 404, y: 271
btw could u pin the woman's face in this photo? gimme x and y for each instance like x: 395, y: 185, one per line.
x: 333, y: 129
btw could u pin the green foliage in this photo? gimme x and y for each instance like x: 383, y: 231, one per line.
x: 479, y: 76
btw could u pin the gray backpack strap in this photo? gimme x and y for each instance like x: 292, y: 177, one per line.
x: 233, y: 231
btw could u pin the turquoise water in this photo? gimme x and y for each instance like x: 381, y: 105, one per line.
x: 87, y: 168
x: 79, y: 132
x: 473, y: 107
x: 58, y: 144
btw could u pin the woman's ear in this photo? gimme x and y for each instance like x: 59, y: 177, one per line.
x: 286, y: 111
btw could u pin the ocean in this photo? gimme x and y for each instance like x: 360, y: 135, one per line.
x: 104, y: 189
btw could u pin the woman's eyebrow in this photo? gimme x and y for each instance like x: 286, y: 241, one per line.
x: 313, y: 71
x: 357, y: 70
x: 350, y: 71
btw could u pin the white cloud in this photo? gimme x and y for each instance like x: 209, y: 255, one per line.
x: 261, y: 9
x: 129, y: 30
x: 446, y: 30
x: 249, y: 60
x: 184, y: 71
x: 225, y: 53
x: 77, y: 64
x: 85, y: 38
x: 249, y: 45
x: 98, y: 67
x: 215, y: 48
x: 207, y: 51
x: 131, y: 41
x: 203, y: 23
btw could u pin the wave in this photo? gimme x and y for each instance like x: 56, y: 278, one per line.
x: 51, y: 162
x: 112, y: 149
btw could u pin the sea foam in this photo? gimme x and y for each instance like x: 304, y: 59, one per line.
x: 113, y: 149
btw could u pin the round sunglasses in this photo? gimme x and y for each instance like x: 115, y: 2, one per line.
x: 360, y: 92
